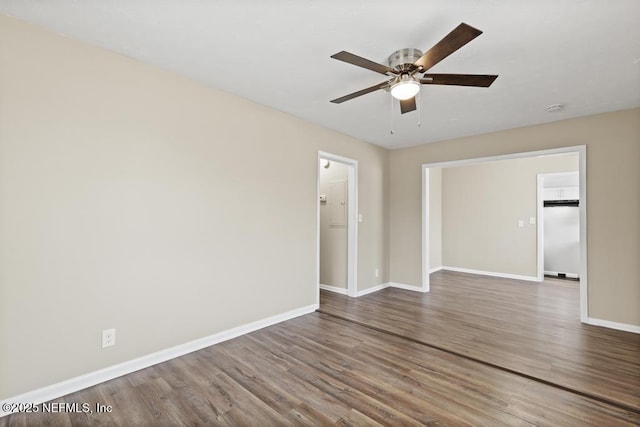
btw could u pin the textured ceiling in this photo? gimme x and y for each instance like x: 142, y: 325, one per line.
x: 584, y: 54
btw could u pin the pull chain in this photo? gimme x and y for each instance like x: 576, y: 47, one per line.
x: 418, y: 106
x: 391, y: 117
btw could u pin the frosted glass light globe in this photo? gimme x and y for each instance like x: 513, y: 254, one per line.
x: 406, y: 88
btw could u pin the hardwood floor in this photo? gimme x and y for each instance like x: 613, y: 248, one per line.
x: 320, y: 369
x: 529, y: 328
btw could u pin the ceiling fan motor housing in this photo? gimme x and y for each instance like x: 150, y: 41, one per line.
x: 403, y: 59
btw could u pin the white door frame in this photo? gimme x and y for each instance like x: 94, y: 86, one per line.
x: 352, y: 220
x: 581, y: 150
x: 426, y: 281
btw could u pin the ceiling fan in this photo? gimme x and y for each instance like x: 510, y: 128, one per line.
x: 404, y: 64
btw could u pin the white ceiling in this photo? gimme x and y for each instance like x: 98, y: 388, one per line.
x: 584, y: 54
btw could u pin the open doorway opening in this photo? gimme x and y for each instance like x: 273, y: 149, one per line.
x: 337, y: 224
x: 558, y: 226
x: 519, y: 244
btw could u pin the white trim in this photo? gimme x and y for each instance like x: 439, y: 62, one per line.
x: 492, y: 273
x: 372, y: 289
x: 582, y: 182
x: 520, y: 155
x: 582, y: 170
x: 335, y: 289
x: 407, y: 287
x: 390, y: 285
x: 613, y: 325
x: 352, y: 220
x: 72, y: 385
x: 540, y: 227
x: 318, y: 229
x: 434, y: 269
x: 426, y: 280
x: 352, y: 232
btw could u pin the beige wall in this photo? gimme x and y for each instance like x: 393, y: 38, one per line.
x: 613, y: 178
x: 435, y: 218
x: 481, y: 206
x: 333, y: 239
x: 136, y: 199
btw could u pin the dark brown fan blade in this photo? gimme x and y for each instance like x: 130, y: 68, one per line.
x: 453, y: 41
x: 480, y: 80
x: 407, y: 105
x: 360, y: 93
x: 362, y: 62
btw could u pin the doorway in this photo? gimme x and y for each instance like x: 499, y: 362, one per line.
x: 558, y: 230
x: 579, y: 150
x: 337, y: 225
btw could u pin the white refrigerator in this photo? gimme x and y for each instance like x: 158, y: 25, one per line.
x: 562, y: 240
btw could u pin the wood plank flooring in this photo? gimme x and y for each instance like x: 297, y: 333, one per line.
x: 320, y: 369
x: 526, y: 327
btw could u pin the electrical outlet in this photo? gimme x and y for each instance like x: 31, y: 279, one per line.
x: 108, y: 337
x: 377, y: 272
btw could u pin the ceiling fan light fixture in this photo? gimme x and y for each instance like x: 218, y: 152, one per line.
x: 406, y: 87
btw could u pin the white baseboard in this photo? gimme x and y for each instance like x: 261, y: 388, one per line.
x: 387, y: 285
x: 613, y: 325
x: 335, y: 289
x: 406, y: 287
x: 372, y: 289
x: 434, y: 269
x: 492, y: 273
x: 72, y: 385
